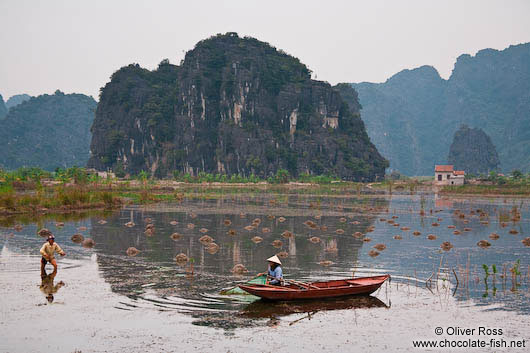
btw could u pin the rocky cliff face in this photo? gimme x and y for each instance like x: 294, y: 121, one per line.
x: 412, y: 115
x: 234, y: 105
x: 473, y: 151
x: 47, y: 131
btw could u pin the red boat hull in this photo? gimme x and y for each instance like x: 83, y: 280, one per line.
x: 317, y: 290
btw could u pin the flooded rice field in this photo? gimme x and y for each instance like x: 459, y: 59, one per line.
x: 151, y: 280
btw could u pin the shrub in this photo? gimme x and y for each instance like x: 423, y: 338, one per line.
x: 107, y: 198
x: 7, y: 200
x: 281, y: 177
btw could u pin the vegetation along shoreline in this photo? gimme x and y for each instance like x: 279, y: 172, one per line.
x: 36, y: 191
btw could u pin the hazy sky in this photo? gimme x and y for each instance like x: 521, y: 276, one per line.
x: 75, y: 45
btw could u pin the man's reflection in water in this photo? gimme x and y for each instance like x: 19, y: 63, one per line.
x: 47, y: 286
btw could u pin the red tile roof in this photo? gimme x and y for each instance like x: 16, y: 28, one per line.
x: 443, y: 168
x: 459, y: 172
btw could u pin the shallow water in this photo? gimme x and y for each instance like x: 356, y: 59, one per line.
x: 152, y: 280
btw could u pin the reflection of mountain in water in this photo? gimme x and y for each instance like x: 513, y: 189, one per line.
x: 155, y: 265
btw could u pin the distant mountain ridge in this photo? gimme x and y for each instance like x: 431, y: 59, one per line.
x: 47, y: 131
x: 412, y: 117
x: 3, y: 108
x: 16, y: 100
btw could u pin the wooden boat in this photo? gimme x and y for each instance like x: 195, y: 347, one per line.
x: 316, y: 290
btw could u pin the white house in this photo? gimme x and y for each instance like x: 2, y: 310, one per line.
x: 103, y: 175
x: 446, y: 175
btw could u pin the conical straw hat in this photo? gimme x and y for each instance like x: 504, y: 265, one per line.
x: 274, y: 259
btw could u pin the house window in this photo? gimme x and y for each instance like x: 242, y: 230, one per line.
x: 439, y: 177
x: 448, y: 176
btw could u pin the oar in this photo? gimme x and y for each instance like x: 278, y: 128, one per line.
x: 305, y: 285
x: 224, y: 291
x: 302, y: 286
x: 277, y: 287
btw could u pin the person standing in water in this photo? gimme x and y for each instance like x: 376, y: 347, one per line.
x: 275, y: 272
x: 48, y: 251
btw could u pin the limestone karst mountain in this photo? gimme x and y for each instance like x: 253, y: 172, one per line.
x: 473, y: 151
x: 412, y: 117
x: 234, y: 105
x: 47, y: 131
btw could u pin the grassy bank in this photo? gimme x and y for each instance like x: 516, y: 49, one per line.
x: 63, y: 198
x: 152, y: 194
x: 41, y: 218
x: 515, y: 184
x: 32, y: 190
x: 507, y: 189
x: 56, y: 199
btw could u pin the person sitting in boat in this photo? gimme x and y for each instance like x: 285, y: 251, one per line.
x: 274, y: 273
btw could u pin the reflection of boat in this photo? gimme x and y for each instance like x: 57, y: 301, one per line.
x: 265, y: 309
x: 316, y: 290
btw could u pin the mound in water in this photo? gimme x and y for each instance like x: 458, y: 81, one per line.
x: 239, y: 269
x: 181, y: 259
x: 132, y: 251
x: 89, y: 243
x: 77, y: 238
